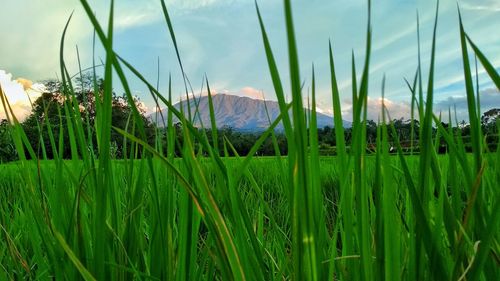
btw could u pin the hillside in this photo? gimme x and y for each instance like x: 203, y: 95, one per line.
x: 240, y: 113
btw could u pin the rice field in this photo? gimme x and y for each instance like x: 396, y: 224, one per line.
x: 204, y: 216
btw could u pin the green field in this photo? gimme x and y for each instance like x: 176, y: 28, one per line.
x: 47, y: 215
x: 202, y: 216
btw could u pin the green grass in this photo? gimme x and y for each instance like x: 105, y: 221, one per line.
x: 262, y: 190
x: 301, y: 217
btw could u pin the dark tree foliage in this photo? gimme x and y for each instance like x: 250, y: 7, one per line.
x: 241, y: 141
x: 490, y: 124
x: 47, y: 115
x: 7, y: 150
x: 47, y: 125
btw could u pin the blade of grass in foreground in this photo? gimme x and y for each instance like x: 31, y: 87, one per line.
x: 358, y: 148
x: 392, y: 236
x: 337, y: 116
x: 421, y: 104
x: 482, y: 229
x: 346, y: 199
x: 103, y: 123
x: 273, y: 69
x: 412, y: 110
x: 487, y: 239
x: 83, y: 271
x: 480, y: 212
x: 316, y: 215
x: 307, y: 264
x: 67, y: 92
x: 426, y: 140
x: 490, y: 69
x: 105, y: 174
x: 280, y: 95
x: 430, y: 240
x: 231, y: 258
x: 212, y: 119
x: 174, y: 41
x: 314, y: 157
x: 471, y: 101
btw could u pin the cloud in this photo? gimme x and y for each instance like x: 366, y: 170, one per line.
x: 31, y: 42
x: 396, y: 109
x: 481, y: 5
x: 198, y: 4
x: 128, y: 14
x: 248, y: 92
x: 18, y: 93
x: 133, y: 20
x: 252, y: 93
x: 27, y: 84
x: 489, y: 98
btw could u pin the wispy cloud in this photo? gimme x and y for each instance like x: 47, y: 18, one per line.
x: 134, y: 20
x: 128, y: 14
x: 481, y: 5
x: 198, y: 4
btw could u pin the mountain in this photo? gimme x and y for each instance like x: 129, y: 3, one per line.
x: 240, y: 113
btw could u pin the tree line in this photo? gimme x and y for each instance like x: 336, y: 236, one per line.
x: 47, y: 125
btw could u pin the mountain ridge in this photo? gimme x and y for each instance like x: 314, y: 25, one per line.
x: 239, y: 113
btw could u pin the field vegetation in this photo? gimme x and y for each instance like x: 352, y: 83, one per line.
x: 179, y: 208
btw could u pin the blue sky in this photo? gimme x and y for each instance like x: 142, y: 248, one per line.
x: 221, y: 38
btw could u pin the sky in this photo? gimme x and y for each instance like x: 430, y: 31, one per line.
x: 221, y: 39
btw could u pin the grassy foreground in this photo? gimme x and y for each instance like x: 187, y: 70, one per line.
x: 199, y: 217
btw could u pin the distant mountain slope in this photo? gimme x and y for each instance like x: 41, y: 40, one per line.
x: 241, y: 113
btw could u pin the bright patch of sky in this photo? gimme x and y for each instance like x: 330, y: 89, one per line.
x: 221, y: 39
x: 20, y: 93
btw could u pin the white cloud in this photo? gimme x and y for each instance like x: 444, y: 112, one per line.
x: 481, y: 5
x: 252, y: 93
x: 490, y: 98
x: 248, y: 92
x: 18, y: 93
x: 396, y: 109
x: 133, y: 20
x: 129, y: 14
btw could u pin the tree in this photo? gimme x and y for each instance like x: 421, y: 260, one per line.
x: 47, y: 122
x: 371, y: 131
x: 490, y: 122
x: 48, y: 119
x: 7, y: 150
